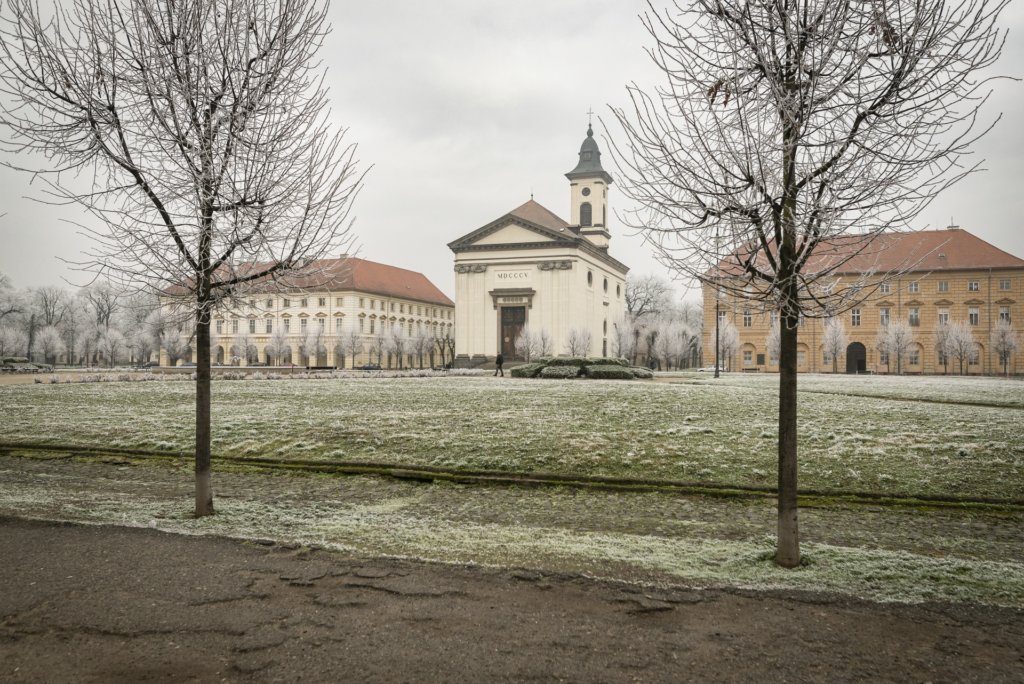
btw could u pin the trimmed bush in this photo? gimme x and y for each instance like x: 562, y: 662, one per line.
x: 577, y: 361
x: 609, y: 372
x: 641, y: 373
x: 607, y: 361
x: 560, y: 372
x: 527, y: 370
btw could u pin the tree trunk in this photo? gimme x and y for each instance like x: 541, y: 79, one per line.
x: 787, y: 553
x: 204, y: 483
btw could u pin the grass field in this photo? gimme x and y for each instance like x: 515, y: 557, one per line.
x: 917, y: 436
x: 949, y: 437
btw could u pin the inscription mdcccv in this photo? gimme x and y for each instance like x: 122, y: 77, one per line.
x: 508, y: 276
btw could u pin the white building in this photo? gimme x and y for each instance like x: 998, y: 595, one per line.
x: 356, y: 312
x: 530, y: 268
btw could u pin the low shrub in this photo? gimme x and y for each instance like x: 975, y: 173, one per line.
x: 527, y: 370
x: 577, y: 361
x: 606, y: 361
x: 641, y: 373
x: 560, y: 372
x: 609, y: 372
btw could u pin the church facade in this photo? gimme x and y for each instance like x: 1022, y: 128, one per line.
x: 531, y: 272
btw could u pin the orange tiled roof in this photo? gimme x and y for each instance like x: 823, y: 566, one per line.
x: 951, y: 249
x: 535, y: 213
x: 351, y: 273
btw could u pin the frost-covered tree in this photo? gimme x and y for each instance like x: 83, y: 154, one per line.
x: 622, y: 340
x: 1004, y: 343
x: 311, y: 345
x: 278, y: 344
x: 421, y: 344
x: 771, y: 342
x: 881, y: 345
x: 11, y: 300
x: 940, y: 337
x: 578, y: 342
x: 834, y: 341
x: 728, y: 343
x: 646, y: 295
x: 12, y: 340
x: 243, y: 346
x: 49, y: 343
x: 205, y: 128
x: 110, y: 345
x: 899, y: 341
x: 104, y: 301
x: 353, y: 344
x: 395, y: 344
x: 786, y: 138
x: 527, y: 344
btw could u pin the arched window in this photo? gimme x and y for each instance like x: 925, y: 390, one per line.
x: 586, y: 215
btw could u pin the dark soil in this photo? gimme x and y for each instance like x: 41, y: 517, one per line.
x: 103, y: 604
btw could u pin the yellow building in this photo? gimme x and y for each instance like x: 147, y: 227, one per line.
x: 953, y: 276
x: 351, y: 316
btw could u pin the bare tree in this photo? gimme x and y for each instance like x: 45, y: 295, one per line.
x: 646, y: 295
x: 899, y: 341
x: 311, y: 345
x: 11, y: 300
x: 578, y: 342
x: 52, y: 302
x: 1004, y: 343
x: 353, y: 343
x: 243, y: 346
x: 527, y: 344
x: 728, y: 343
x: 103, y: 299
x: 789, y: 137
x: 206, y: 129
x: 278, y: 344
x: 396, y: 344
x: 941, y: 338
x: 834, y: 341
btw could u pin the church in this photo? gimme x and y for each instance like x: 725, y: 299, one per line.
x: 532, y: 272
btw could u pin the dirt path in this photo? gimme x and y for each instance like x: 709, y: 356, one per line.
x: 101, y: 604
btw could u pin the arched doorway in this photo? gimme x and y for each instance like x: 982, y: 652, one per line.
x: 856, y: 358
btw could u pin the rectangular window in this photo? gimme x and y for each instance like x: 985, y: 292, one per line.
x: 303, y: 302
x: 371, y: 326
x: 973, y: 315
x: 855, y: 318
x: 914, y: 357
x: 220, y: 327
x: 914, y: 287
x: 1004, y: 283
x: 975, y: 356
x: 721, y: 318
x: 401, y: 308
x: 943, y: 316
x: 884, y: 288
x: 915, y: 316
x: 270, y: 325
x: 1004, y: 314
x: 287, y: 325
x: 252, y: 303
x: 824, y: 356
x: 748, y: 357
x: 883, y: 357
x: 883, y: 316
x: 943, y: 286
x: 321, y: 301
x: 801, y: 358
x: 361, y: 322
x: 286, y: 303
x: 234, y: 327
x: 337, y: 325
x: 392, y: 305
x: 943, y: 359
x: 252, y: 326
x: 974, y: 286
x: 302, y: 325
x: 322, y: 322
x: 773, y: 317
x: 373, y: 304
x: 362, y: 303
x: 270, y: 303
x: 410, y: 328
x: 748, y: 318
x: 339, y: 301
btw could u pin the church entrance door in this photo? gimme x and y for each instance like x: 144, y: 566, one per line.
x: 513, y: 318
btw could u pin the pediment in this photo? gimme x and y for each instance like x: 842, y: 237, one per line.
x: 943, y: 302
x: 512, y: 234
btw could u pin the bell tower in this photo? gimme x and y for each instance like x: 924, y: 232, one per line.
x: 588, y: 193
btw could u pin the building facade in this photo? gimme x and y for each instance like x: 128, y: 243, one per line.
x: 358, y: 312
x: 530, y: 270
x: 953, y: 276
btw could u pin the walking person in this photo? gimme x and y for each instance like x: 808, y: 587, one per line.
x: 498, y: 360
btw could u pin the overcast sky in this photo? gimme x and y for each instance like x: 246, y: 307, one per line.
x: 464, y: 108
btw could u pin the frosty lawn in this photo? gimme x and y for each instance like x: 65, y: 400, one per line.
x: 915, y: 436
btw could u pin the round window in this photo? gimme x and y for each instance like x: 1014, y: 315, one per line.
x: 586, y: 192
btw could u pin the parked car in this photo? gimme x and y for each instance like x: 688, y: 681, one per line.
x: 370, y: 366
x: 711, y: 369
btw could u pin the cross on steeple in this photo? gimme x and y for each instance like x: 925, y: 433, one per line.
x: 590, y: 116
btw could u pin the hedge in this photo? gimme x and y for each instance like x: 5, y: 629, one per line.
x: 606, y: 361
x: 577, y: 361
x: 609, y: 372
x: 560, y: 372
x: 641, y: 373
x: 527, y: 370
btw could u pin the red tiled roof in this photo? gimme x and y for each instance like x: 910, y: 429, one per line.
x: 535, y: 213
x: 952, y: 249
x: 351, y: 273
